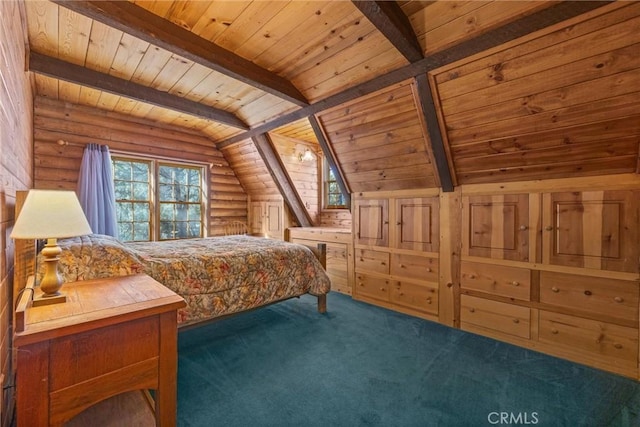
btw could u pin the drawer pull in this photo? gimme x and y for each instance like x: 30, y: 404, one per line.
x: 523, y: 227
x: 472, y: 276
x: 516, y: 321
x: 618, y: 299
x: 588, y: 293
x: 428, y: 269
x: 554, y: 289
x: 401, y: 294
x: 554, y: 331
x: 549, y: 228
x: 428, y: 300
x: 618, y: 346
x: 402, y: 266
x: 382, y: 289
x: 472, y: 310
x: 361, y: 284
x: 515, y: 283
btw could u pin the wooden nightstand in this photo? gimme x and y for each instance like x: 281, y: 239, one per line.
x: 111, y: 336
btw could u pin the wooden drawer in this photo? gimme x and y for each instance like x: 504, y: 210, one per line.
x: 414, y: 267
x: 375, y: 261
x: 597, y: 295
x: 415, y: 296
x: 372, y: 287
x: 617, y: 345
x: 498, y: 316
x: 511, y: 282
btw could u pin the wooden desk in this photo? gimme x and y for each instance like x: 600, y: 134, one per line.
x: 111, y: 336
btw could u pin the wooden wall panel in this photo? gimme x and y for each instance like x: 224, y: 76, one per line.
x: 304, y: 174
x: 545, y: 106
x: 378, y: 141
x: 57, y: 166
x: 251, y: 171
x: 441, y: 24
x: 16, y: 165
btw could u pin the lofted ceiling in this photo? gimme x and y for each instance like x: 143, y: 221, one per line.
x: 400, y: 95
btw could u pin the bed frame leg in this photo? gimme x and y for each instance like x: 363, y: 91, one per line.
x: 322, y: 303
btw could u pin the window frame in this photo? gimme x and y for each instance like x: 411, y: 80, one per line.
x: 154, y: 185
x: 326, y: 173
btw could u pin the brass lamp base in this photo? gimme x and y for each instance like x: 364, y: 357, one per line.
x: 51, y: 281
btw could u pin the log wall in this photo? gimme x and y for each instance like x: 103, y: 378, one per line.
x: 57, y: 166
x: 16, y: 160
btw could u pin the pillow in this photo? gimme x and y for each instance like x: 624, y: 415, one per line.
x: 93, y: 256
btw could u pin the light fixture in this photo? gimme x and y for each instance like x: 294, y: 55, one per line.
x: 306, y: 156
x: 50, y: 214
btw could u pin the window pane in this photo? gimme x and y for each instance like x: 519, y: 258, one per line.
x: 132, y: 183
x: 125, y: 231
x: 180, y: 196
x: 141, y: 231
x: 194, y: 229
x: 140, y: 171
x: 166, y: 230
x: 332, y: 194
x: 166, y: 212
x: 141, y: 191
x: 194, y: 213
x: 141, y: 212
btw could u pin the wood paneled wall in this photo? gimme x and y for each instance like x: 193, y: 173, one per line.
x: 562, y: 102
x: 379, y: 141
x: 304, y: 174
x: 251, y: 170
x: 57, y: 166
x: 335, y: 218
x: 16, y: 165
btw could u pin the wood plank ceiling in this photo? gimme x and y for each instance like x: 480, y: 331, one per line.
x: 408, y: 94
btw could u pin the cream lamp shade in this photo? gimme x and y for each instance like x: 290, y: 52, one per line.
x: 50, y: 214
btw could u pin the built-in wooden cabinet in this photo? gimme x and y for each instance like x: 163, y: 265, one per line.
x: 557, y: 271
x: 267, y: 218
x: 339, y: 252
x: 396, y: 241
x: 496, y: 226
x: 592, y: 229
x: 552, y: 265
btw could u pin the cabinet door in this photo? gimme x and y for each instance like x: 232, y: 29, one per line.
x: 256, y: 217
x: 274, y: 221
x: 592, y: 229
x: 496, y: 226
x: 372, y: 222
x: 416, y: 225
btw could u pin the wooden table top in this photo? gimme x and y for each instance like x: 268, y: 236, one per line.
x: 91, y: 304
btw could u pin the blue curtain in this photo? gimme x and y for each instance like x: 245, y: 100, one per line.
x: 95, y: 190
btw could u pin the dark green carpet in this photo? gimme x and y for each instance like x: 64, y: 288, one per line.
x: 360, y: 365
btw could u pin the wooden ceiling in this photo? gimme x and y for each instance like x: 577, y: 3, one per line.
x: 408, y: 94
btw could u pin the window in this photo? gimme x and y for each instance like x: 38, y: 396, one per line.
x: 157, y: 200
x: 333, y: 197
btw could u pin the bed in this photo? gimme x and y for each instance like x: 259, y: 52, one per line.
x: 216, y: 276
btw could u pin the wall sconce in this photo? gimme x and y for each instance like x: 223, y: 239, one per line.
x: 307, y: 156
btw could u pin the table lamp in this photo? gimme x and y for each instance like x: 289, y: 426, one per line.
x: 50, y: 214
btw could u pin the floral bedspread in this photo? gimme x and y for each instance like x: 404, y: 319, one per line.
x: 215, y: 276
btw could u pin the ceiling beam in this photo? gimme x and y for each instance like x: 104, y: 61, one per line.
x: 390, y: 20
x: 264, y: 145
x: 139, y: 22
x: 428, y: 110
x: 506, y: 33
x: 73, y: 73
x: 333, y: 164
